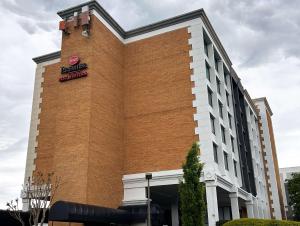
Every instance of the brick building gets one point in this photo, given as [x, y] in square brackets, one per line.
[112, 105]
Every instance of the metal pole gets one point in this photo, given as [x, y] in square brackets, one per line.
[148, 207]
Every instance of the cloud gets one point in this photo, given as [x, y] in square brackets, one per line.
[12, 170]
[266, 30]
[29, 27]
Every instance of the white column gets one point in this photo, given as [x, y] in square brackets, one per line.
[134, 196]
[261, 214]
[25, 203]
[174, 212]
[255, 208]
[212, 203]
[249, 206]
[235, 210]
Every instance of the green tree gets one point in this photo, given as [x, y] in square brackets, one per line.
[293, 186]
[191, 190]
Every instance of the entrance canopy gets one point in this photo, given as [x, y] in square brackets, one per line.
[81, 213]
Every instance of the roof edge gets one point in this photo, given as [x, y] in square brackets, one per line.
[165, 23]
[236, 78]
[264, 99]
[47, 57]
[200, 13]
[250, 100]
[215, 37]
[93, 5]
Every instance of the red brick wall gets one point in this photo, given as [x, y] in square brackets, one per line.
[159, 125]
[105, 161]
[132, 114]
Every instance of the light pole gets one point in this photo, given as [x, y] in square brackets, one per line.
[148, 178]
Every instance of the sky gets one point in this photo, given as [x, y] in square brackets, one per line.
[261, 37]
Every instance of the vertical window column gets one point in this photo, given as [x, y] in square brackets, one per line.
[210, 96]
[207, 70]
[223, 134]
[218, 85]
[220, 109]
[212, 123]
[226, 160]
[235, 168]
[215, 149]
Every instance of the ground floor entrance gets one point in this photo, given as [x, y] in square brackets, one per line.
[224, 200]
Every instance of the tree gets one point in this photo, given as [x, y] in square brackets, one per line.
[14, 211]
[293, 186]
[40, 191]
[191, 190]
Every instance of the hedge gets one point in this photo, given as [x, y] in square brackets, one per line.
[261, 222]
[221, 222]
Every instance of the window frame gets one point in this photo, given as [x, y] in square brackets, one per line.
[225, 79]
[235, 168]
[218, 83]
[230, 120]
[210, 97]
[216, 64]
[221, 106]
[206, 47]
[223, 134]
[212, 123]
[215, 152]
[207, 71]
[232, 144]
[227, 99]
[226, 162]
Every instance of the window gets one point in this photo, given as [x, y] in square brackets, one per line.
[215, 147]
[251, 113]
[235, 168]
[207, 71]
[212, 123]
[229, 120]
[227, 98]
[225, 79]
[220, 109]
[218, 85]
[232, 143]
[216, 64]
[223, 134]
[210, 97]
[206, 47]
[226, 161]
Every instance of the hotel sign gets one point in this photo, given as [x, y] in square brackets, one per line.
[74, 71]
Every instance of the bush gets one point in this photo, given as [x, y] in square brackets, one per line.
[261, 222]
[221, 222]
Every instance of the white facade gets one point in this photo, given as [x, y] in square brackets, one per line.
[258, 165]
[218, 174]
[35, 121]
[272, 182]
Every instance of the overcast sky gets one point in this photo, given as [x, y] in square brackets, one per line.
[261, 37]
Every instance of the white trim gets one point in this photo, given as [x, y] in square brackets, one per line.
[159, 178]
[163, 30]
[35, 121]
[148, 34]
[134, 185]
[272, 181]
[94, 12]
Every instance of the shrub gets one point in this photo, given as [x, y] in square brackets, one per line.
[191, 191]
[221, 222]
[261, 222]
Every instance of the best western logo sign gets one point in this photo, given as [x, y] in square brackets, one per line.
[74, 71]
